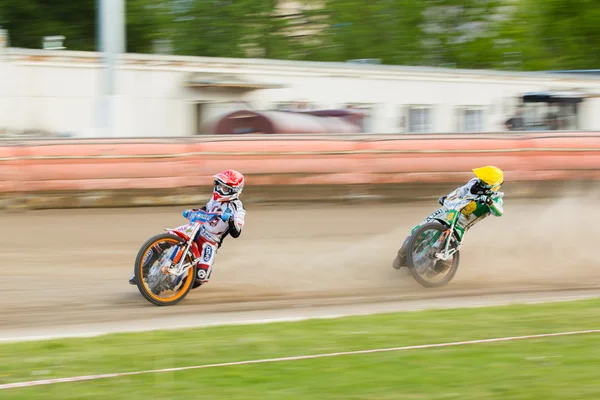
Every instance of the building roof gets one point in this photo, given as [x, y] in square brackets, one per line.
[334, 68]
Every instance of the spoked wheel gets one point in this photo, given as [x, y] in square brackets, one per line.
[157, 287]
[420, 256]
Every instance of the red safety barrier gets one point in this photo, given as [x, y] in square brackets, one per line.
[113, 164]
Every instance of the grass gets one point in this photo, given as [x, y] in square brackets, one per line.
[551, 368]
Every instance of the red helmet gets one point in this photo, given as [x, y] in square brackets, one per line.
[228, 185]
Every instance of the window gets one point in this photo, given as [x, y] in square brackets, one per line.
[419, 119]
[550, 116]
[471, 119]
[548, 111]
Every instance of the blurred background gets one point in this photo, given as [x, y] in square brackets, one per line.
[177, 68]
[348, 118]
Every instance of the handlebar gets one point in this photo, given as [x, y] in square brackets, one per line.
[197, 215]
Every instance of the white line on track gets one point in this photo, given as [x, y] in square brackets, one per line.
[292, 358]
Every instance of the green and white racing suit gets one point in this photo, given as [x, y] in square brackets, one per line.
[474, 205]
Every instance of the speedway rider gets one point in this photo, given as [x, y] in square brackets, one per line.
[483, 190]
[228, 186]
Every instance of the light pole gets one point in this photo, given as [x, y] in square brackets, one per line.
[111, 43]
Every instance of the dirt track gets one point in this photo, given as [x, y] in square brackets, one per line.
[70, 267]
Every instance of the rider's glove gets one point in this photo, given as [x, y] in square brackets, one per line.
[487, 200]
[227, 215]
[441, 200]
[189, 213]
[482, 199]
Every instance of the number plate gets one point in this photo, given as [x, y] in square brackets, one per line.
[185, 229]
[469, 208]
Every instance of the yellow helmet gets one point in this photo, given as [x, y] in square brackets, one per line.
[490, 175]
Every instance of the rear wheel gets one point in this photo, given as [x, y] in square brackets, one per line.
[429, 271]
[157, 287]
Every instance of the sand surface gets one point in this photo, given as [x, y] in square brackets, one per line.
[69, 268]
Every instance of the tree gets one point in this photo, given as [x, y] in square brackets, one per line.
[28, 21]
[383, 29]
[555, 34]
[147, 21]
[461, 32]
[227, 28]
[516, 34]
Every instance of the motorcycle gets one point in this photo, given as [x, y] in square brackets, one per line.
[433, 249]
[166, 265]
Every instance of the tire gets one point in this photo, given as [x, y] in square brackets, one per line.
[138, 268]
[410, 263]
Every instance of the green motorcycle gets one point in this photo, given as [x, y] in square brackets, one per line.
[433, 248]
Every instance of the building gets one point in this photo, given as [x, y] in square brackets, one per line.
[58, 92]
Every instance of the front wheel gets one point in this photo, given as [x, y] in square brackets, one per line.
[157, 287]
[420, 256]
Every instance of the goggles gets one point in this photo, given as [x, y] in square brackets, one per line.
[223, 189]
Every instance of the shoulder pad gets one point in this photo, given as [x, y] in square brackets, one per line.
[237, 204]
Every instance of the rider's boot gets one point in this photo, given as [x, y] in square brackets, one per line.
[132, 280]
[150, 261]
[400, 259]
[202, 275]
